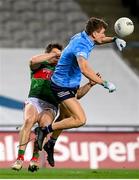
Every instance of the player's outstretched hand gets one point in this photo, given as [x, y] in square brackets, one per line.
[110, 86]
[120, 43]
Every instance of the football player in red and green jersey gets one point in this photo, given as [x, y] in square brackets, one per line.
[40, 104]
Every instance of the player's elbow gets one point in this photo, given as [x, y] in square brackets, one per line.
[32, 61]
[78, 94]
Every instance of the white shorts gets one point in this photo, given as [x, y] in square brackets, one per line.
[41, 105]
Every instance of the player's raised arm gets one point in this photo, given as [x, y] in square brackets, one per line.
[120, 43]
[37, 60]
[51, 55]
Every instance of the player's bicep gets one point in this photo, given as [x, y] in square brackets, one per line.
[83, 63]
[81, 50]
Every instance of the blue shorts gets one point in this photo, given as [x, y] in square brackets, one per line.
[63, 93]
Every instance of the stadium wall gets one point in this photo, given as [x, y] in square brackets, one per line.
[80, 150]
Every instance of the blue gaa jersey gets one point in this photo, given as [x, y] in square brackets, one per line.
[67, 72]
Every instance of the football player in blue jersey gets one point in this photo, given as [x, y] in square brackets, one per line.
[67, 76]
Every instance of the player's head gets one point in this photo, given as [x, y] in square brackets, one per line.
[95, 28]
[54, 48]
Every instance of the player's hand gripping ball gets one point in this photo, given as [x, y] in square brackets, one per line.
[123, 27]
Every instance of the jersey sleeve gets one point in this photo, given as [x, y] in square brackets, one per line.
[81, 50]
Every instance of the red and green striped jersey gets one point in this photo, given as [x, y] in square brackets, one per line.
[40, 83]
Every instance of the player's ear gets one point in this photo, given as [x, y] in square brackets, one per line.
[94, 34]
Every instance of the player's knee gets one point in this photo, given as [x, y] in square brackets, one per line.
[42, 124]
[81, 121]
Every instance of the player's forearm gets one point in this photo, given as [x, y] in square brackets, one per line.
[91, 75]
[41, 58]
[83, 90]
[107, 40]
[88, 72]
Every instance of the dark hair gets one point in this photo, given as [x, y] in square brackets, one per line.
[94, 24]
[51, 46]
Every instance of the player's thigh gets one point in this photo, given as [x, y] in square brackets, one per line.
[74, 107]
[30, 114]
[64, 112]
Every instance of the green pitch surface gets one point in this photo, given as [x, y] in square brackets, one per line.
[69, 174]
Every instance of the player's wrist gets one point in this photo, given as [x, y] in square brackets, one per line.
[104, 83]
[114, 39]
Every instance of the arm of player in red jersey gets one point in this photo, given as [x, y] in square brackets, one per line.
[37, 60]
[83, 90]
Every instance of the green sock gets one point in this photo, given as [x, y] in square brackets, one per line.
[36, 154]
[21, 152]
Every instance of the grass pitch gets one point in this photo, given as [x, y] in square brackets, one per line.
[69, 174]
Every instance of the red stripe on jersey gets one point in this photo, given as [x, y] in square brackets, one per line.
[43, 74]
